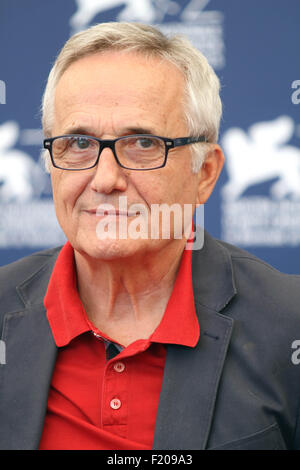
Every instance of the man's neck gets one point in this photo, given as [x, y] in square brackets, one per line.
[126, 298]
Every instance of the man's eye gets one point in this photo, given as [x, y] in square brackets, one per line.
[80, 143]
[145, 143]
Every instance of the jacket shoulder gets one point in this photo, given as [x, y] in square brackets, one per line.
[230, 279]
[252, 263]
[266, 291]
[14, 274]
[16, 271]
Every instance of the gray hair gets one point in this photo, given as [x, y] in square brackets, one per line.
[203, 108]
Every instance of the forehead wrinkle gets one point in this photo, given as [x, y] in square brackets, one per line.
[97, 122]
[96, 125]
[111, 99]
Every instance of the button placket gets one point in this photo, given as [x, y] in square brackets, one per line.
[115, 397]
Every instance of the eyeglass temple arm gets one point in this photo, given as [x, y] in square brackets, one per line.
[188, 140]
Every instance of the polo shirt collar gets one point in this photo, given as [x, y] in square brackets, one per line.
[179, 324]
[65, 311]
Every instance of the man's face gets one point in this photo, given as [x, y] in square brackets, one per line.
[110, 95]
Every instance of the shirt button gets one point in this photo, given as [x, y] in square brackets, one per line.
[119, 366]
[115, 403]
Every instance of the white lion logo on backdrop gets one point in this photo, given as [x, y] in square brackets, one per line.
[147, 11]
[141, 10]
[262, 155]
[20, 177]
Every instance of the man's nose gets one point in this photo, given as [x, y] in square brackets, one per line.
[108, 176]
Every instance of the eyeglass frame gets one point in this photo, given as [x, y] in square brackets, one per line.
[110, 143]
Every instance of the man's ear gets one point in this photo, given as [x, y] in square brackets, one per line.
[210, 172]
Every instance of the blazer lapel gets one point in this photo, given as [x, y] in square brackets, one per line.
[192, 375]
[26, 376]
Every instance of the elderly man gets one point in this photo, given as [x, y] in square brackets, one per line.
[122, 339]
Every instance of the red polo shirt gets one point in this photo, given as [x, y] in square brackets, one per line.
[100, 403]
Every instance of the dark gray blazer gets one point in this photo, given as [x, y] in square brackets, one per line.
[237, 389]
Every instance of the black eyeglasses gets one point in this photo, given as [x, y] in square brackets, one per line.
[133, 152]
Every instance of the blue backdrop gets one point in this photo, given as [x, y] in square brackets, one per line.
[254, 48]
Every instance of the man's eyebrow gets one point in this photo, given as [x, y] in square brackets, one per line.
[79, 130]
[139, 130]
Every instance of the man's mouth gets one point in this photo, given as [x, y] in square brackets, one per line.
[111, 212]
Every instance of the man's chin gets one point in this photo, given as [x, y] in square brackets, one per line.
[113, 249]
